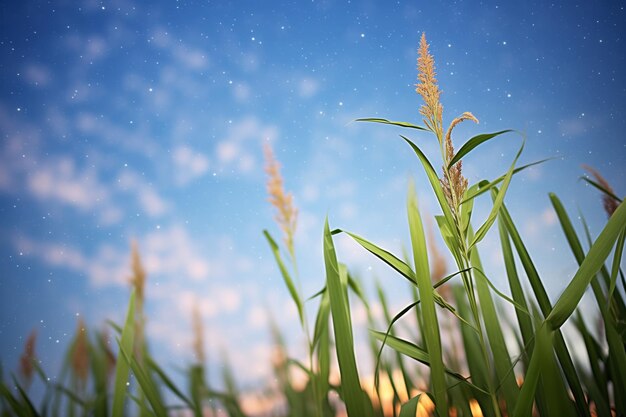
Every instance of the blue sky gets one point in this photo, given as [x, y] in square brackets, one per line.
[124, 120]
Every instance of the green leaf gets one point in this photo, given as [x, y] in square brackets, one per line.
[601, 188]
[167, 381]
[545, 306]
[385, 256]
[409, 408]
[503, 366]
[543, 343]
[286, 276]
[122, 367]
[472, 143]
[484, 186]
[145, 382]
[344, 344]
[389, 122]
[424, 285]
[594, 260]
[413, 351]
[497, 202]
[617, 257]
[435, 184]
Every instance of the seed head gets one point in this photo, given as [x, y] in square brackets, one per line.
[454, 184]
[286, 214]
[198, 333]
[609, 203]
[138, 278]
[80, 355]
[432, 109]
[28, 358]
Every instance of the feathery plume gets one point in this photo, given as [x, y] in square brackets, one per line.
[432, 109]
[80, 355]
[138, 282]
[454, 183]
[286, 214]
[109, 355]
[28, 358]
[609, 203]
[198, 333]
[138, 277]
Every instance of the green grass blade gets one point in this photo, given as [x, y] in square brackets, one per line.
[524, 321]
[473, 143]
[409, 408]
[415, 352]
[541, 352]
[145, 383]
[435, 184]
[601, 188]
[497, 202]
[390, 122]
[122, 367]
[501, 358]
[594, 353]
[545, 306]
[153, 366]
[14, 403]
[385, 256]
[432, 338]
[286, 276]
[592, 263]
[484, 186]
[617, 257]
[344, 344]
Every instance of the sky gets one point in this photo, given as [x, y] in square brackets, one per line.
[127, 121]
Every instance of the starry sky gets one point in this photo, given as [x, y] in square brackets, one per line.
[127, 120]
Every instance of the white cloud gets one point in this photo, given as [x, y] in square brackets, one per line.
[147, 197]
[37, 74]
[106, 267]
[190, 57]
[308, 87]
[238, 151]
[189, 164]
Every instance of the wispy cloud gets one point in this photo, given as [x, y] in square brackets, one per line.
[189, 164]
[238, 152]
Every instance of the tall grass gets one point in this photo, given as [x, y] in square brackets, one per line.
[458, 360]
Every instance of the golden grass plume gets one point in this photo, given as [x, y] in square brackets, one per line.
[609, 203]
[80, 355]
[286, 213]
[27, 360]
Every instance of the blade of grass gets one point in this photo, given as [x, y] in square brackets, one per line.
[389, 122]
[409, 408]
[435, 184]
[592, 263]
[563, 355]
[286, 276]
[497, 202]
[146, 384]
[344, 344]
[617, 257]
[413, 351]
[601, 188]
[499, 350]
[594, 354]
[484, 186]
[122, 367]
[473, 143]
[432, 337]
[385, 256]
